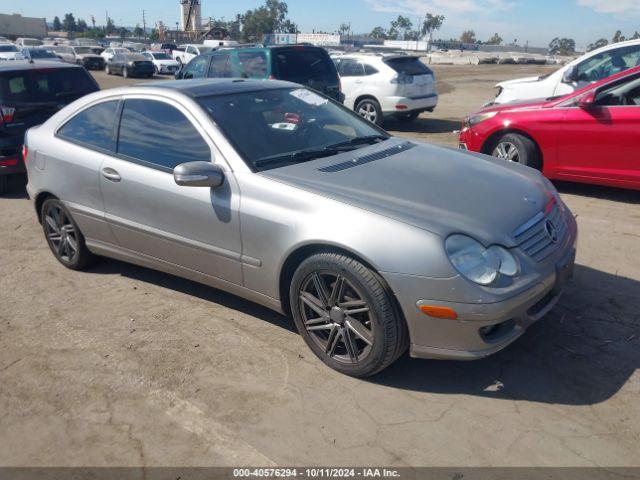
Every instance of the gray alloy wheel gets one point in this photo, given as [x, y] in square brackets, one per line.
[107, 70]
[517, 148]
[125, 72]
[507, 151]
[369, 109]
[63, 235]
[345, 315]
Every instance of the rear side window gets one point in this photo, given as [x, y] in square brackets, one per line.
[220, 66]
[253, 64]
[302, 63]
[350, 68]
[197, 68]
[408, 66]
[93, 127]
[61, 86]
[159, 135]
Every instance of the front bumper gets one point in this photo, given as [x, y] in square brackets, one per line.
[416, 104]
[485, 326]
[168, 69]
[93, 64]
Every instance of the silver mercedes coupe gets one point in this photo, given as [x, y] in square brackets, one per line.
[271, 191]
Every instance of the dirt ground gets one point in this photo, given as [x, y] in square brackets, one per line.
[125, 366]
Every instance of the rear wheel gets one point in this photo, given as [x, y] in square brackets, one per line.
[4, 184]
[346, 315]
[63, 235]
[369, 109]
[517, 148]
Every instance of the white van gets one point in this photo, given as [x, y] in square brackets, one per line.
[220, 43]
[29, 42]
[589, 68]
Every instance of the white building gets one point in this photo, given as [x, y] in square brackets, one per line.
[193, 22]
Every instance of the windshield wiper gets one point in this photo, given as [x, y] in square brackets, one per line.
[366, 140]
[300, 155]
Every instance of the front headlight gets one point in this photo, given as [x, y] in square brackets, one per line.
[480, 117]
[477, 263]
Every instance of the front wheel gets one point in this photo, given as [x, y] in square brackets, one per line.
[346, 315]
[125, 72]
[63, 235]
[517, 148]
[370, 109]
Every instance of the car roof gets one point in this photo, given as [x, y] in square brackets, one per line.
[18, 65]
[218, 86]
[239, 48]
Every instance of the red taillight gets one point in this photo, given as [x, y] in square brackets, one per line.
[9, 162]
[401, 106]
[271, 77]
[6, 114]
[25, 152]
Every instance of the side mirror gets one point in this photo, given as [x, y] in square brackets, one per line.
[198, 174]
[569, 76]
[587, 101]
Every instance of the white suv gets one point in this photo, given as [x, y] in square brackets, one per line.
[378, 86]
[589, 68]
[185, 53]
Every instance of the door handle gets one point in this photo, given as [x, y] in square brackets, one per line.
[111, 175]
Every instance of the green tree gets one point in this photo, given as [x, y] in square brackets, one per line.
[562, 46]
[123, 32]
[636, 35]
[495, 40]
[69, 23]
[431, 24]
[269, 18]
[603, 42]
[399, 27]
[154, 35]
[618, 37]
[138, 31]
[468, 36]
[57, 24]
[379, 33]
[110, 27]
[81, 26]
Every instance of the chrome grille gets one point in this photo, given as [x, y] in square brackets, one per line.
[338, 167]
[536, 237]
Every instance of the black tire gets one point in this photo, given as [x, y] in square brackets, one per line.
[70, 250]
[408, 117]
[363, 302]
[370, 109]
[526, 150]
[4, 184]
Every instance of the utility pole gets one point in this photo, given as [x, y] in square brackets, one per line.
[144, 24]
[93, 22]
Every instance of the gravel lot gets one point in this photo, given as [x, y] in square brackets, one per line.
[126, 366]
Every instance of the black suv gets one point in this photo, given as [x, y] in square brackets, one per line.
[30, 93]
[304, 64]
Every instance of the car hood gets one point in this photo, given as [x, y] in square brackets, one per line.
[518, 80]
[442, 190]
[527, 104]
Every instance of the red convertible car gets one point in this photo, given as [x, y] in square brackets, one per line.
[591, 135]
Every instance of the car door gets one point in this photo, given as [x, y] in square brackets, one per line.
[220, 66]
[600, 140]
[86, 139]
[352, 74]
[192, 227]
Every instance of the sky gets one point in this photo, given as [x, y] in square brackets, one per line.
[535, 21]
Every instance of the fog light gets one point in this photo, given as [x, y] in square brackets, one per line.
[439, 312]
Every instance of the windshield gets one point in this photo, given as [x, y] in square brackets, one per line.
[204, 49]
[8, 48]
[31, 42]
[39, 53]
[274, 128]
[44, 85]
[83, 50]
[161, 56]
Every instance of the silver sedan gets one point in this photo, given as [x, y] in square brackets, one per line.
[373, 244]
